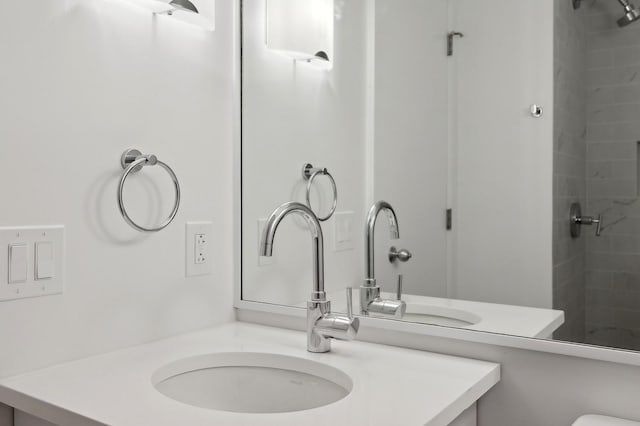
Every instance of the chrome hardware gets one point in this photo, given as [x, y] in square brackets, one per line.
[309, 173]
[322, 325]
[402, 255]
[183, 5]
[349, 302]
[450, 37]
[536, 111]
[399, 288]
[370, 300]
[132, 161]
[577, 220]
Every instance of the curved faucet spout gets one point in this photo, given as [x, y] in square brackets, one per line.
[269, 232]
[322, 325]
[370, 225]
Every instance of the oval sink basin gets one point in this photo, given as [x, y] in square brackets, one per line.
[252, 382]
[440, 315]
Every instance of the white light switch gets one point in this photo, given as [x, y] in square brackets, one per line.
[45, 261]
[18, 254]
[35, 265]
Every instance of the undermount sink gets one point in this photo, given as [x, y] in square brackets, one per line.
[440, 315]
[243, 382]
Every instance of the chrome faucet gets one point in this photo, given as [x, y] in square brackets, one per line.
[370, 300]
[322, 325]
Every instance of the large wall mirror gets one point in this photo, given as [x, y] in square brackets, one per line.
[482, 124]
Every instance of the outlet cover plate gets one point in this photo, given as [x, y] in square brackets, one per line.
[193, 231]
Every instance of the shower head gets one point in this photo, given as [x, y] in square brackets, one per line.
[184, 5]
[631, 14]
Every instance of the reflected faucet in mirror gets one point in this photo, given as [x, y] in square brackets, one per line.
[322, 325]
[370, 300]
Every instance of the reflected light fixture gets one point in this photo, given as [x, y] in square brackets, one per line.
[301, 30]
[196, 12]
[184, 5]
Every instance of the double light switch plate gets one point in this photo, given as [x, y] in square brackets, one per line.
[31, 261]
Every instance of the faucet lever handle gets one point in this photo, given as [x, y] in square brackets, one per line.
[399, 287]
[599, 225]
[350, 302]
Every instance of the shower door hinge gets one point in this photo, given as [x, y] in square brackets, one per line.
[449, 219]
[450, 37]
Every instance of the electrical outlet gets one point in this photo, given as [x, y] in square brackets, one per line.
[201, 249]
[199, 260]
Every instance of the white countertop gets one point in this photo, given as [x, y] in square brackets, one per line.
[592, 420]
[494, 317]
[392, 386]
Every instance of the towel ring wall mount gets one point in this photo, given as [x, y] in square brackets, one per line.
[309, 173]
[133, 161]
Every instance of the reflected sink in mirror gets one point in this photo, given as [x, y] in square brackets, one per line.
[481, 316]
[437, 315]
[252, 382]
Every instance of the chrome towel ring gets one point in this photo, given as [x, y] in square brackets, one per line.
[309, 173]
[132, 161]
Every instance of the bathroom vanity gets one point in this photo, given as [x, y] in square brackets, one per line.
[380, 385]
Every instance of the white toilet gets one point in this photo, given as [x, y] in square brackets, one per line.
[592, 420]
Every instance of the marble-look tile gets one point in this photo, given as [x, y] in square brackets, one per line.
[625, 243]
[570, 153]
[612, 187]
[600, 59]
[611, 151]
[626, 281]
[598, 279]
[614, 113]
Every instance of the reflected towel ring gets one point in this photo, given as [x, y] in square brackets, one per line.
[309, 173]
[133, 161]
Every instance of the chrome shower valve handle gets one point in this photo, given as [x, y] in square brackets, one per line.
[576, 221]
[588, 220]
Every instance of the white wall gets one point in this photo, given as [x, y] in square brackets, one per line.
[81, 80]
[294, 113]
[503, 193]
[411, 141]
[494, 168]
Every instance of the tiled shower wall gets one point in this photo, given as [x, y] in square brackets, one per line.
[569, 156]
[613, 116]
